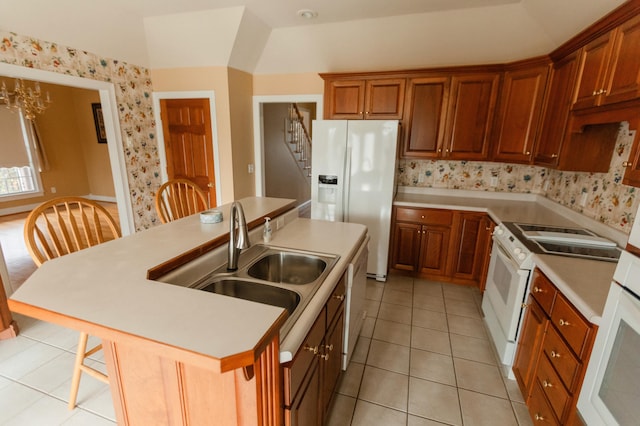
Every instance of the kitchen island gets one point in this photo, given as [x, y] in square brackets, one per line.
[177, 355]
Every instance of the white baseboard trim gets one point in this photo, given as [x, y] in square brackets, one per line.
[29, 207]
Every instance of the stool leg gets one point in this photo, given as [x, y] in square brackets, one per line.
[77, 372]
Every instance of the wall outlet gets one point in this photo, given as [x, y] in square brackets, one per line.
[546, 185]
[421, 178]
[250, 168]
[279, 222]
[583, 199]
[494, 181]
[53, 190]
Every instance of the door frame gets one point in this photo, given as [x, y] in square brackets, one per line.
[111, 124]
[258, 128]
[198, 94]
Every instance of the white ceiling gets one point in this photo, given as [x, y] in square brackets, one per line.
[268, 37]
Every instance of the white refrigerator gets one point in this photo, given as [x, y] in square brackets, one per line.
[353, 168]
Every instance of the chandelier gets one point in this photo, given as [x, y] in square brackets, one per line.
[28, 100]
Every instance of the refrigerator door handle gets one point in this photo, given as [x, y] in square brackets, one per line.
[346, 188]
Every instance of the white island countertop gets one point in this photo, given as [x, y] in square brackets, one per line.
[584, 282]
[107, 288]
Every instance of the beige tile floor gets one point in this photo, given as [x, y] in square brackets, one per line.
[424, 358]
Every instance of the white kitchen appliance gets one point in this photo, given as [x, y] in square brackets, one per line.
[353, 179]
[355, 309]
[510, 268]
[610, 392]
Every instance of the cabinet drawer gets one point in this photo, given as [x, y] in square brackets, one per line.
[543, 291]
[539, 409]
[295, 371]
[571, 325]
[552, 386]
[336, 300]
[563, 360]
[426, 216]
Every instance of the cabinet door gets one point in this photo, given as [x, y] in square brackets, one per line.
[623, 78]
[384, 99]
[519, 114]
[344, 99]
[405, 246]
[556, 115]
[470, 115]
[529, 347]
[433, 251]
[485, 247]
[331, 361]
[632, 171]
[468, 256]
[305, 410]
[424, 116]
[594, 59]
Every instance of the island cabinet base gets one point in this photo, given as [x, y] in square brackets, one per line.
[8, 327]
[148, 388]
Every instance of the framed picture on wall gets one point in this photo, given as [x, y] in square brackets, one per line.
[99, 122]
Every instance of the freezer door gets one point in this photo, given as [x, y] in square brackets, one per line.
[371, 159]
[328, 151]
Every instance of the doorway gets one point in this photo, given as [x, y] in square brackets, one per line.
[269, 113]
[200, 162]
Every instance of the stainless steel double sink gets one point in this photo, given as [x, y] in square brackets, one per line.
[274, 276]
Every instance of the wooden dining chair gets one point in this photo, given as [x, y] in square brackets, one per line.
[62, 226]
[178, 198]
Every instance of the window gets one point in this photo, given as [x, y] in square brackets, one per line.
[18, 165]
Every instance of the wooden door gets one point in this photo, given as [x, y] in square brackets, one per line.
[556, 115]
[519, 114]
[424, 116]
[405, 246]
[593, 62]
[529, 347]
[345, 100]
[434, 250]
[384, 99]
[623, 78]
[470, 116]
[186, 124]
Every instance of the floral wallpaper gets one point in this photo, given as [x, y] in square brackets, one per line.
[135, 109]
[599, 196]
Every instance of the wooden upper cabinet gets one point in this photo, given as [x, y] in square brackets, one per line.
[379, 99]
[424, 116]
[384, 99]
[519, 113]
[470, 115]
[556, 112]
[610, 67]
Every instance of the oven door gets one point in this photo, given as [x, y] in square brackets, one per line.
[611, 394]
[505, 290]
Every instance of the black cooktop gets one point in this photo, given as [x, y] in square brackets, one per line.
[608, 254]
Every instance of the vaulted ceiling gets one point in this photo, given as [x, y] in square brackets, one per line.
[269, 37]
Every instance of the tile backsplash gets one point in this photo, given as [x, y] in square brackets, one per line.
[600, 196]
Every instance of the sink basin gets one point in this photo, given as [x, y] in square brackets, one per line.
[288, 268]
[254, 292]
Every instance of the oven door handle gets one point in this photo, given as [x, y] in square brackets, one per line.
[502, 253]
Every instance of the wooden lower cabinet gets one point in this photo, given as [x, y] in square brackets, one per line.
[439, 244]
[553, 350]
[311, 378]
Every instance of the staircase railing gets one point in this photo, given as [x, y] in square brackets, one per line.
[298, 140]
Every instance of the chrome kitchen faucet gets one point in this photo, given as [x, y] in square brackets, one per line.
[239, 241]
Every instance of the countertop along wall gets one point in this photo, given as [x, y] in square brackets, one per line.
[605, 198]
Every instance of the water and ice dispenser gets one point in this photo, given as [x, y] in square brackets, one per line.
[327, 197]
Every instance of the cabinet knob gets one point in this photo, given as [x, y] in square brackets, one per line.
[313, 349]
[324, 356]
[555, 354]
[527, 153]
[626, 164]
[537, 290]
[524, 305]
[595, 92]
[554, 155]
[339, 297]
[538, 417]
[546, 384]
[563, 322]
[446, 150]
[329, 347]
[439, 149]
[422, 216]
